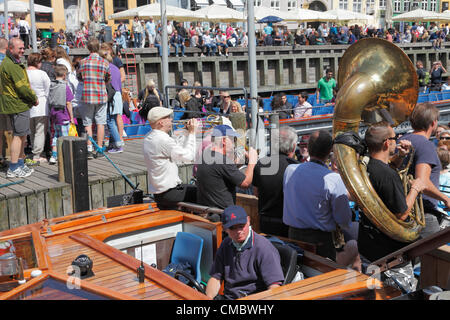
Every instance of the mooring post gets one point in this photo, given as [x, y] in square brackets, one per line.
[274, 124]
[73, 169]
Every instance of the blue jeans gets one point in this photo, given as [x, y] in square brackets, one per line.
[178, 45]
[124, 41]
[209, 47]
[137, 39]
[158, 46]
[114, 137]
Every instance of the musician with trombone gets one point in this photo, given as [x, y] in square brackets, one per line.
[162, 154]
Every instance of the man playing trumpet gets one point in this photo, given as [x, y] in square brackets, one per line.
[162, 153]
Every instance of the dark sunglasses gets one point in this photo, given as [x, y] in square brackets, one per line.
[445, 138]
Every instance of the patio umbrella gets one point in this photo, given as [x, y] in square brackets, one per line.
[24, 7]
[173, 13]
[305, 15]
[218, 13]
[127, 14]
[270, 19]
[261, 12]
[346, 15]
[417, 15]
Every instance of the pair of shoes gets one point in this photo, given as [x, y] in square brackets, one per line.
[18, 173]
[31, 162]
[115, 150]
[184, 56]
[226, 54]
[99, 155]
[27, 169]
[52, 160]
[90, 155]
[220, 53]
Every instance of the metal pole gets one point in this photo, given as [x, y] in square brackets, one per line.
[33, 26]
[252, 69]
[164, 49]
[6, 20]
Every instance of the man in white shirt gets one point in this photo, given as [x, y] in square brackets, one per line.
[24, 30]
[303, 108]
[221, 42]
[162, 154]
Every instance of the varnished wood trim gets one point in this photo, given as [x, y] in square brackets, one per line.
[153, 274]
[331, 291]
[17, 236]
[24, 287]
[98, 217]
[93, 288]
[40, 249]
[97, 223]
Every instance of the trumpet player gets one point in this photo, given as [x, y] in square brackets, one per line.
[162, 153]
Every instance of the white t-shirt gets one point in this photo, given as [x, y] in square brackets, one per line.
[161, 155]
[40, 83]
[24, 23]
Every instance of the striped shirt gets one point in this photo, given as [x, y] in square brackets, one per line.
[94, 71]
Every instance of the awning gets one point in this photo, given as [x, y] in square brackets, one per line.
[236, 3]
[220, 2]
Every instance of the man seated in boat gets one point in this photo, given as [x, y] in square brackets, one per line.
[268, 182]
[217, 174]
[246, 262]
[315, 198]
[162, 153]
[380, 138]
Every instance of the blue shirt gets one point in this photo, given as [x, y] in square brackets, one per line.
[150, 26]
[314, 198]
[425, 152]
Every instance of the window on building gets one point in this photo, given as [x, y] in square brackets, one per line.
[382, 4]
[424, 5]
[370, 5]
[397, 6]
[406, 6]
[142, 2]
[356, 5]
[257, 3]
[118, 6]
[292, 4]
[44, 17]
[343, 4]
[275, 4]
[433, 5]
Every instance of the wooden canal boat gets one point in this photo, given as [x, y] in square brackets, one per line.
[111, 238]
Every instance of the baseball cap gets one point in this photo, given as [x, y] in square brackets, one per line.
[233, 215]
[224, 130]
[157, 113]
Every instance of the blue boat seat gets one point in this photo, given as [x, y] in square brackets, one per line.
[422, 98]
[131, 130]
[188, 247]
[178, 113]
[266, 104]
[143, 129]
[445, 95]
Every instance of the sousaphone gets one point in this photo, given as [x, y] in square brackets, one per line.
[377, 82]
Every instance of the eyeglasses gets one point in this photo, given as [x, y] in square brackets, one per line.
[445, 138]
[391, 138]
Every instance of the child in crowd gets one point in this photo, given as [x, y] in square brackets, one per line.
[60, 105]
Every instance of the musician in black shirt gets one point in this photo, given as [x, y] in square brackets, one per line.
[381, 141]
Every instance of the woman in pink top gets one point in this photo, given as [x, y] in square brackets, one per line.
[388, 36]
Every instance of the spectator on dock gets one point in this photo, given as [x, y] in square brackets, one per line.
[94, 72]
[16, 100]
[422, 75]
[40, 83]
[177, 42]
[436, 76]
[5, 125]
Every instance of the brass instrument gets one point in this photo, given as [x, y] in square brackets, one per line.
[375, 76]
[211, 120]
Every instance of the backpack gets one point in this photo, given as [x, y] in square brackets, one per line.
[22, 30]
[426, 79]
[110, 91]
[172, 268]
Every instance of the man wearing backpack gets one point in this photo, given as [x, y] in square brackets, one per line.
[423, 76]
[24, 31]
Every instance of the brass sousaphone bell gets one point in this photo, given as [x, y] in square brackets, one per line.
[377, 82]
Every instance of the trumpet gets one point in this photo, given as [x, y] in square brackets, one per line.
[211, 120]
